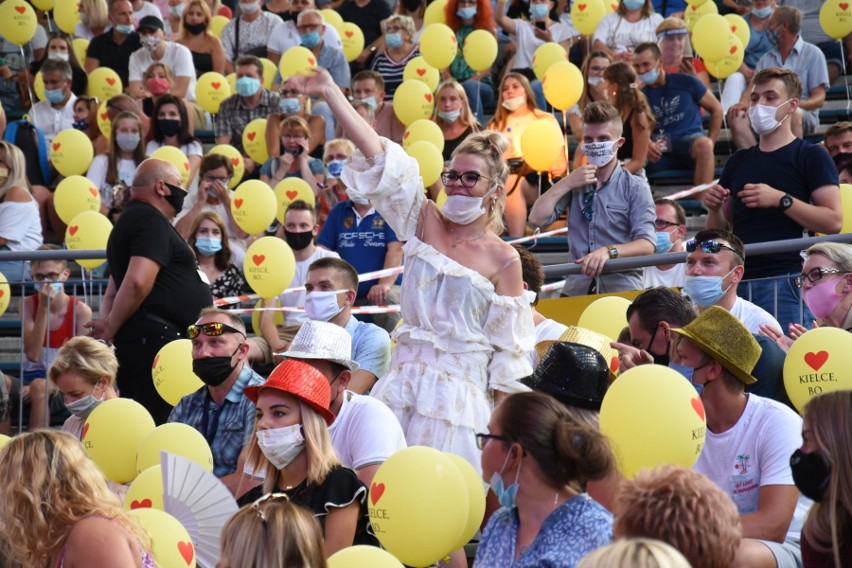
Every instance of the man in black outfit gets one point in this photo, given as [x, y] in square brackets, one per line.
[113, 48]
[155, 290]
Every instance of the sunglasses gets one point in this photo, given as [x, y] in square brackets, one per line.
[710, 247]
[588, 210]
[482, 439]
[212, 329]
[816, 275]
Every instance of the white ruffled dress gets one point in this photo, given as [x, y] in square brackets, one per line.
[458, 340]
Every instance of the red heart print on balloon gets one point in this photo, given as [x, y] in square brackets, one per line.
[694, 7]
[312, 61]
[85, 430]
[56, 146]
[291, 195]
[456, 41]
[376, 492]
[186, 551]
[143, 504]
[216, 85]
[20, 9]
[238, 203]
[844, 6]
[406, 135]
[235, 161]
[734, 29]
[186, 166]
[104, 116]
[258, 259]
[2, 293]
[613, 364]
[698, 407]
[733, 49]
[349, 33]
[93, 191]
[251, 136]
[421, 72]
[581, 7]
[110, 81]
[73, 230]
[816, 360]
[156, 360]
[428, 97]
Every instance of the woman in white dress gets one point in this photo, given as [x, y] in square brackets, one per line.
[466, 326]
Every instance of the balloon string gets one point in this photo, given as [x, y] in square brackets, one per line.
[720, 84]
[49, 23]
[845, 76]
[27, 75]
[565, 133]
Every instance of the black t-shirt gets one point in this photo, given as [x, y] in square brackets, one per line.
[112, 55]
[451, 145]
[178, 294]
[798, 168]
[340, 488]
[368, 18]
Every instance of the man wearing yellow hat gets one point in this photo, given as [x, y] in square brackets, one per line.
[749, 439]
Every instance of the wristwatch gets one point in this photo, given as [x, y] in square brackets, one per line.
[785, 203]
[613, 252]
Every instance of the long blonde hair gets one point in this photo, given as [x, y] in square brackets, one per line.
[829, 419]
[14, 158]
[466, 117]
[49, 484]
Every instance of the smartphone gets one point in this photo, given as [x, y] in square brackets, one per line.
[541, 25]
[295, 151]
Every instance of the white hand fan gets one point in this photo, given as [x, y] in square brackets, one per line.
[201, 503]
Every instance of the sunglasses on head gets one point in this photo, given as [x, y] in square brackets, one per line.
[212, 329]
[710, 247]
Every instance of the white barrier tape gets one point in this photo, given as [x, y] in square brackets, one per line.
[692, 190]
[552, 287]
[538, 236]
[366, 310]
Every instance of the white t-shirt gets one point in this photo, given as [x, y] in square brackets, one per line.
[177, 57]
[191, 149]
[618, 34]
[97, 175]
[52, 121]
[297, 299]
[546, 330]
[527, 42]
[671, 278]
[20, 225]
[285, 36]
[365, 432]
[147, 9]
[754, 453]
[752, 316]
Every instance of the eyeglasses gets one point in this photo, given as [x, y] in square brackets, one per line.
[289, 93]
[710, 247]
[815, 275]
[394, 29]
[482, 439]
[267, 498]
[50, 276]
[662, 224]
[212, 329]
[588, 199]
[468, 179]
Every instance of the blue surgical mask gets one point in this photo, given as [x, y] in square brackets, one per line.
[247, 86]
[55, 96]
[127, 141]
[705, 291]
[539, 11]
[664, 243]
[507, 496]
[394, 40]
[466, 13]
[762, 13]
[290, 105]
[633, 4]
[83, 407]
[57, 287]
[335, 168]
[310, 40]
[370, 101]
[125, 29]
[449, 115]
[650, 77]
[208, 246]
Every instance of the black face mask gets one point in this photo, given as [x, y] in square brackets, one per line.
[168, 126]
[214, 370]
[176, 198]
[810, 474]
[195, 29]
[412, 5]
[658, 359]
[299, 241]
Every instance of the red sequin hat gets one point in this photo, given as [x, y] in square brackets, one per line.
[301, 380]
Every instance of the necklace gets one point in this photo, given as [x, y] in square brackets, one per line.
[457, 241]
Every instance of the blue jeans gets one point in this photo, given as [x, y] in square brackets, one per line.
[479, 95]
[780, 297]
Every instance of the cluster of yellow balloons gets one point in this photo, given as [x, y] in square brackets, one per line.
[720, 40]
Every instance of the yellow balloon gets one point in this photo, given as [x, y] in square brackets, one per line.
[74, 195]
[4, 439]
[418, 69]
[71, 152]
[438, 45]
[696, 2]
[175, 438]
[104, 123]
[236, 161]
[88, 230]
[5, 294]
[277, 318]
[297, 61]
[442, 198]
[708, 37]
[818, 362]
[436, 13]
[418, 521]
[112, 435]
[353, 40]
[38, 86]
[269, 266]
[232, 81]
[413, 100]
[172, 371]
[726, 66]
[146, 491]
[81, 49]
[171, 544]
[332, 17]
[694, 13]
[430, 160]
[546, 55]
[104, 83]
[44, 5]
[289, 190]
[611, 6]
[217, 24]
[542, 145]
[254, 140]
[269, 72]
[211, 89]
[607, 316]
[652, 417]
[739, 27]
[175, 157]
[19, 21]
[363, 556]
[423, 130]
[586, 15]
[253, 206]
[66, 15]
[846, 207]
[480, 50]
[563, 85]
[476, 498]
[835, 17]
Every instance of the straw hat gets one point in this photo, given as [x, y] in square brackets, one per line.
[586, 337]
[721, 335]
[322, 340]
[574, 374]
[301, 380]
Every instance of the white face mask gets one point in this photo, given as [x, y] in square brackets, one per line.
[281, 445]
[515, 103]
[762, 118]
[322, 306]
[249, 7]
[58, 55]
[465, 209]
[594, 81]
[600, 154]
[83, 407]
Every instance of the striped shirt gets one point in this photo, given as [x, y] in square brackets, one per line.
[391, 71]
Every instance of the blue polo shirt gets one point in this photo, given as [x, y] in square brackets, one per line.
[363, 245]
